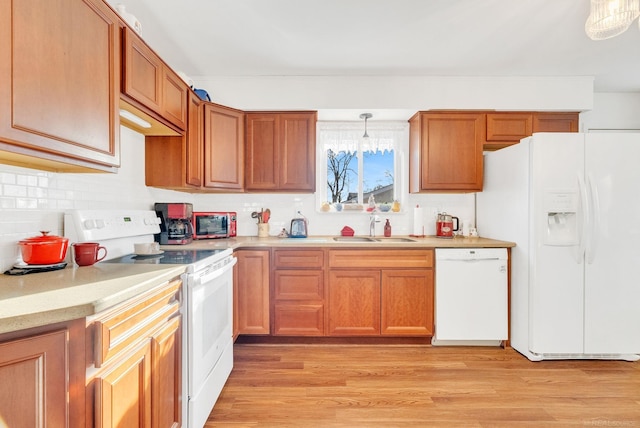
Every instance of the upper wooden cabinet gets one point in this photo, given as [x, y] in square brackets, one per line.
[223, 148]
[507, 128]
[194, 150]
[555, 122]
[176, 162]
[445, 151]
[59, 85]
[280, 151]
[150, 82]
[210, 157]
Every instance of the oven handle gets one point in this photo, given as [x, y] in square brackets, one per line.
[210, 276]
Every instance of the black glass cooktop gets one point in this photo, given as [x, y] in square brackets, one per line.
[173, 257]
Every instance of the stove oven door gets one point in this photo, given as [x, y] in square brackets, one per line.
[209, 331]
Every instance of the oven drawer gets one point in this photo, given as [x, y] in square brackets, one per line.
[116, 329]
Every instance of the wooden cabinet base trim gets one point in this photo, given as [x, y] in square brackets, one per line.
[309, 340]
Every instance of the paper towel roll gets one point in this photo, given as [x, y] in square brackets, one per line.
[419, 220]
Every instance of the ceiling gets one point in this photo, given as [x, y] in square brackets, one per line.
[386, 38]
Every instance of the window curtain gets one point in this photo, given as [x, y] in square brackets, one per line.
[346, 136]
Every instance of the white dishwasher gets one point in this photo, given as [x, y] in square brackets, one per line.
[471, 298]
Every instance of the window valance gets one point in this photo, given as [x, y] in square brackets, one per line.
[347, 136]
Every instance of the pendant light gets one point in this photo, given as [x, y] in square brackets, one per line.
[365, 116]
[609, 18]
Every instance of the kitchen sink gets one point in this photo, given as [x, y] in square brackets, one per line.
[353, 239]
[368, 239]
[395, 240]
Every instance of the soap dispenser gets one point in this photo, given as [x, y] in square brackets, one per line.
[387, 229]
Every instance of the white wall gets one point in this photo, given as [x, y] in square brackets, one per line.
[407, 93]
[612, 111]
[32, 200]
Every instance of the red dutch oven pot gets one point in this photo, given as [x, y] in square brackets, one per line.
[44, 250]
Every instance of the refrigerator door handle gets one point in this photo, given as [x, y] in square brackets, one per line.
[584, 221]
[594, 223]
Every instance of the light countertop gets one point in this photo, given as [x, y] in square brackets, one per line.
[328, 241]
[76, 292]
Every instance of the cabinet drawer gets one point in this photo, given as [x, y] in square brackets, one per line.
[299, 320]
[299, 259]
[124, 325]
[380, 258]
[510, 127]
[298, 285]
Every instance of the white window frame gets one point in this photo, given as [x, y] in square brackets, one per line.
[400, 148]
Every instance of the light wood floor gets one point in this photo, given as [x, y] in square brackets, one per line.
[422, 386]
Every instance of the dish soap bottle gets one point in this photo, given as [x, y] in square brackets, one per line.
[387, 229]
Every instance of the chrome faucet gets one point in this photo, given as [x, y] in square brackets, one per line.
[372, 224]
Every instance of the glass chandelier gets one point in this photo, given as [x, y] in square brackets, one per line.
[608, 18]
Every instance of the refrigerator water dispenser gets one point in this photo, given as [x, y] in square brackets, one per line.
[562, 219]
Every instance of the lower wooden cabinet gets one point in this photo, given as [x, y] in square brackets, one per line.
[122, 393]
[381, 292]
[335, 292]
[298, 292]
[134, 372]
[253, 291]
[407, 302]
[354, 302]
[42, 376]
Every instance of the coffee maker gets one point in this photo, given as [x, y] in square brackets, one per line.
[175, 223]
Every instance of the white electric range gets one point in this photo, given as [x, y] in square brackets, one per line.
[207, 307]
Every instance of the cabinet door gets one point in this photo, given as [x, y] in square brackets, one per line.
[261, 164]
[223, 148]
[149, 81]
[555, 122]
[38, 367]
[123, 391]
[446, 152]
[59, 84]
[295, 319]
[166, 376]
[195, 141]
[297, 152]
[280, 151]
[407, 302]
[143, 74]
[504, 129]
[354, 302]
[174, 98]
[253, 291]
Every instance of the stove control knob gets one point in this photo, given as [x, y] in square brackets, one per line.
[89, 224]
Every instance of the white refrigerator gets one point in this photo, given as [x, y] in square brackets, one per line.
[571, 203]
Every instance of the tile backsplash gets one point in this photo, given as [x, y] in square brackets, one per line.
[32, 200]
